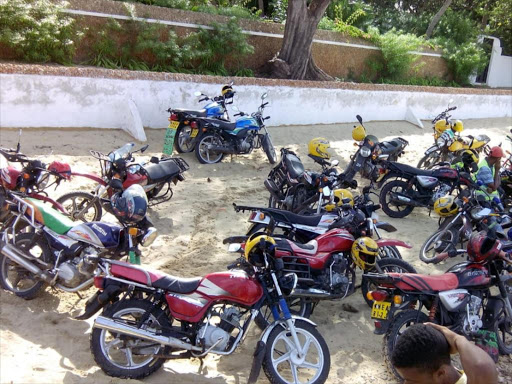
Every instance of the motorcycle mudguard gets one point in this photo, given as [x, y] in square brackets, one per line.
[97, 179]
[392, 242]
[259, 355]
[431, 149]
[235, 239]
[385, 226]
[100, 299]
[282, 323]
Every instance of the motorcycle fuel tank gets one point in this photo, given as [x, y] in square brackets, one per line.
[214, 110]
[99, 234]
[337, 240]
[471, 275]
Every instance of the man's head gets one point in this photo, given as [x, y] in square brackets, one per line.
[495, 155]
[422, 356]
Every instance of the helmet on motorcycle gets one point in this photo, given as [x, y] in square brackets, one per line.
[364, 252]
[372, 140]
[441, 126]
[458, 126]
[63, 169]
[318, 147]
[339, 196]
[469, 157]
[446, 206]
[227, 92]
[130, 205]
[359, 133]
[483, 247]
[255, 247]
[9, 177]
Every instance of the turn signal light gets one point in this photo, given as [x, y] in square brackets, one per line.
[98, 282]
[26, 176]
[397, 299]
[173, 117]
[376, 295]
[133, 231]
[193, 124]
[262, 216]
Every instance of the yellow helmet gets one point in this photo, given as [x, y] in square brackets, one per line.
[255, 245]
[364, 252]
[227, 91]
[339, 196]
[318, 148]
[359, 133]
[458, 126]
[441, 126]
[446, 206]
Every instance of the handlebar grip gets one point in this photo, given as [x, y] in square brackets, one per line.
[203, 99]
[268, 117]
[264, 104]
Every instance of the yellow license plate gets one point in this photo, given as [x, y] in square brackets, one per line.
[380, 310]
[194, 132]
[174, 124]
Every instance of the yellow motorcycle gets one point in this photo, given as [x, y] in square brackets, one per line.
[448, 142]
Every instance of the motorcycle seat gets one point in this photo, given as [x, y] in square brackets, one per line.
[191, 112]
[294, 166]
[162, 171]
[388, 147]
[224, 125]
[281, 214]
[411, 170]
[177, 284]
[417, 282]
[308, 248]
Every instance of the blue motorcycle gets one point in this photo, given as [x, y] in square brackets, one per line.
[241, 137]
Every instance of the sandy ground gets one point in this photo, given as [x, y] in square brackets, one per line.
[41, 343]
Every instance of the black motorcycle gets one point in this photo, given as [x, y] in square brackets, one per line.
[240, 137]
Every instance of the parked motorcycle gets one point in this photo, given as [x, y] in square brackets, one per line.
[184, 121]
[149, 317]
[371, 156]
[155, 176]
[448, 142]
[58, 250]
[469, 298]
[506, 178]
[241, 137]
[411, 187]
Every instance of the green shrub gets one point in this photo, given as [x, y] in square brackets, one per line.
[456, 26]
[37, 31]
[326, 23]
[464, 60]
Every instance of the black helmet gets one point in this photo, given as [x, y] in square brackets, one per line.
[130, 206]
[227, 92]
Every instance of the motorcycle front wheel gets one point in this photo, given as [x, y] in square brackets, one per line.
[503, 329]
[439, 242]
[428, 161]
[205, 155]
[184, 142]
[81, 206]
[391, 207]
[125, 356]
[269, 149]
[283, 364]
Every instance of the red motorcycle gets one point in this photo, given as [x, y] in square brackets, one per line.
[119, 165]
[326, 266]
[473, 298]
[150, 317]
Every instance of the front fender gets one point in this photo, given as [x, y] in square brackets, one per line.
[280, 322]
[97, 179]
[392, 242]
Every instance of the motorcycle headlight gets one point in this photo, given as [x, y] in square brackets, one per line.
[365, 151]
[108, 166]
[42, 180]
[480, 213]
[149, 237]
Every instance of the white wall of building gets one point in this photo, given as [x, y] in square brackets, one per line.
[59, 101]
[499, 74]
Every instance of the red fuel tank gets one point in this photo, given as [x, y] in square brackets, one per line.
[471, 275]
[335, 240]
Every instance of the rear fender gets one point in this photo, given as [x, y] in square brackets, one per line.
[392, 242]
[111, 291]
[385, 226]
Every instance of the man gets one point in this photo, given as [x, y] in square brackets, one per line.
[489, 174]
[422, 356]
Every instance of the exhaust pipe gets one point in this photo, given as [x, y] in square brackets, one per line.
[312, 292]
[222, 149]
[21, 258]
[107, 324]
[405, 200]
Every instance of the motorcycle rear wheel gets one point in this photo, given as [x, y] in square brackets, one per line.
[132, 365]
[183, 143]
[503, 329]
[203, 154]
[81, 206]
[269, 149]
[12, 274]
[401, 210]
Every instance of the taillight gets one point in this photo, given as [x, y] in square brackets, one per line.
[377, 295]
[253, 215]
[173, 117]
[378, 324]
[99, 282]
[193, 124]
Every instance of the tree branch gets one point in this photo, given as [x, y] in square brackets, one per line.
[317, 7]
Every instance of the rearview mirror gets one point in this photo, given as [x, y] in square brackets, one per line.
[360, 119]
[144, 148]
[231, 82]
[264, 96]
[197, 93]
[334, 163]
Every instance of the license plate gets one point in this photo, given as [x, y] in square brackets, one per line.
[174, 124]
[194, 132]
[380, 310]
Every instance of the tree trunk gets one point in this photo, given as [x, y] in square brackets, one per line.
[261, 6]
[436, 18]
[294, 61]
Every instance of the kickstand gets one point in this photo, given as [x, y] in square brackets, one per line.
[79, 295]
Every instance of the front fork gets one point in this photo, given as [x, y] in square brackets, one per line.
[132, 251]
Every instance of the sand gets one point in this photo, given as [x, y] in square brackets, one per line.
[41, 343]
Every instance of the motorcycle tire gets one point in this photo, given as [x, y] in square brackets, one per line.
[389, 251]
[28, 243]
[183, 143]
[93, 210]
[278, 369]
[385, 265]
[203, 154]
[439, 242]
[405, 318]
[385, 204]
[298, 306]
[136, 308]
[428, 161]
[503, 329]
[269, 149]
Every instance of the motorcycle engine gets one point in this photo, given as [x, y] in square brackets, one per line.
[338, 277]
[77, 269]
[472, 321]
[245, 144]
[443, 190]
[209, 334]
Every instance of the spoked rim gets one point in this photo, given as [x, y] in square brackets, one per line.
[286, 360]
[204, 152]
[439, 244]
[75, 206]
[134, 352]
[14, 274]
[397, 190]
[185, 140]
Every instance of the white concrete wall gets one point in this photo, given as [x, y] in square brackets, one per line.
[58, 101]
[500, 67]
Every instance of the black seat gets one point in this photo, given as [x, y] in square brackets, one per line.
[411, 170]
[388, 147]
[293, 165]
[177, 284]
[191, 112]
[162, 171]
[282, 215]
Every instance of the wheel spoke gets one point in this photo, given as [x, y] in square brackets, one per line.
[129, 357]
[305, 348]
[280, 359]
[307, 364]
[293, 368]
[111, 344]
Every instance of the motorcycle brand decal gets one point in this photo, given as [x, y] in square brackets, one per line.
[190, 300]
[82, 235]
[107, 237]
[210, 289]
[99, 229]
[457, 296]
[63, 239]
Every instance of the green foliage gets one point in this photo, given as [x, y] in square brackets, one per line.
[456, 26]
[464, 59]
[346, 26]
[326, 23]
[37, 31]
[500, 24]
